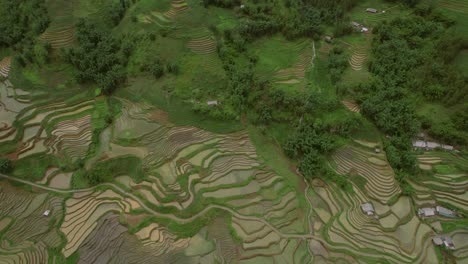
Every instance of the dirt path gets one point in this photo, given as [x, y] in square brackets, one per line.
[158, 214]
[315, 54]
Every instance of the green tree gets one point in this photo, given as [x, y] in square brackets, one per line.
[5, 165]
[156, 67]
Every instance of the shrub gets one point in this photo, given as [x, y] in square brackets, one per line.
[172, 68]
[5, 165]
[156, 68]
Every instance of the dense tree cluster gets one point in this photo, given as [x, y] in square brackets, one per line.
[21, 21]
[337, 64]
[309, 143]
[99, 57]
[115, 11]
[302, 19]
[413, 55]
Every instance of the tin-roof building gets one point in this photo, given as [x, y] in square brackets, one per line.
[426, 212]
[371, 10]
[368, 208]
[445, 212]
[444, 240]
[212, 103]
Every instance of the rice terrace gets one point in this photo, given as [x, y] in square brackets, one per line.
[233, 131]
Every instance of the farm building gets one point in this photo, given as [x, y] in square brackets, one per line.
[428, 145]
[447, 147]
[444, 240]
[371, 10]
[46, 213]
[426, 212]
[432, 145]
[437, 241]
[364, 30]
[445, 212]
[355, 24]
[368, 208]
[419, 144]
[212, 103]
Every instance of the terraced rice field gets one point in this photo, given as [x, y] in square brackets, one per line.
[448, 184]
[5, 64]
[43, 127]
[20, 241]
[174, 153]
[352, 106]
[296, 73]
[357, 159]
[189, 173]
[459, 6]
[359, 57]
[203, 44]
[177, 7]
[213, 186]
[395, 235]
[61, 31]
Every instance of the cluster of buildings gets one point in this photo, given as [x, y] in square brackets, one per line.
[360, 27]
[428, 145]
[439, 240]
[444, 240]
[422, 143]
[438, 210]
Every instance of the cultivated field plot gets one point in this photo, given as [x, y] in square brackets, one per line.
[61, 31]
[448, 183]
[385, 11]
[20, 241]
[34, 124]
[395, 235]
[189, 195]
[190, 178]
[286, 62]
[359, 159]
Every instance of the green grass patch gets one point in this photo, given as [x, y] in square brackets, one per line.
[270, 152]
[449, 226]
[392, 10]
[435, 112]
[180, 112]
[34, 167]
[366, 131]
[123, 165]
[277, 53]
[461, 61]
[446, 169]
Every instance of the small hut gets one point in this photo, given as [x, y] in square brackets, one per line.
[212, 103]
[368, 208]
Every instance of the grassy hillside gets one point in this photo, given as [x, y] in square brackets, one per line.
[226, 131]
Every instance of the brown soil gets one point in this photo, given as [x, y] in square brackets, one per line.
[318, 183]
[134, 220]
[160, 116]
